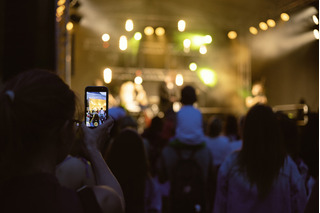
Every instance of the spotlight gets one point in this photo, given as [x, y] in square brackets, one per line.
[316, 33]
[263, 26]
[148, 31]
[315, 19]
[232, 35]
[271, 23]
[253, 30]
[160, 31]
[285, 17]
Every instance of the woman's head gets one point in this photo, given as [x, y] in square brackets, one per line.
[128, 162]
[263, 151]
[34, 108]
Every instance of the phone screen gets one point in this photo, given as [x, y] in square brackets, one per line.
[96, 105]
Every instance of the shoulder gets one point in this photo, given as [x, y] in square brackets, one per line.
[108, 199]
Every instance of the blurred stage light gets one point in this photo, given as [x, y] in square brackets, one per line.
[123, 43]
[263, 26]
[315, 19]
[203, 49]
[253, 30]
[316, 33]
[193, 66]
[271, 23]
[138, 80]
[179, 80]
[105, 37]
[129, 25]
[148, 31]
[137, 36]
[284, 17]
[232, 35]
[187, 43]
[208, 77]
[160, 31]
[208, 39]
[107, 74]
[69, 26]
[181, 25]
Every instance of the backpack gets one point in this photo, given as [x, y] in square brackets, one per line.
[187, 193]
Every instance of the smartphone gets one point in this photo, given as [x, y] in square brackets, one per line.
[96, 105]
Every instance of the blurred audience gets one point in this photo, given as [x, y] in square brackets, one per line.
[128, 162]
[188, 147]
[261, 177]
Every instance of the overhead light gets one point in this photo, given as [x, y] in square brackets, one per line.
[208, 39]
[160, 31]
[285, 17]
[123, 43]
[187, 43]
[253, 30]
[69, 26]
[181, 25]
[137, 36]
[271, 23]
[232, 35]
[193, 66]
[315, 19]
[203, 49]
[107, 74]
[148, 31]
[263, 26]
[129, 25]
[179, 80]
[138, 80]
[105, 37]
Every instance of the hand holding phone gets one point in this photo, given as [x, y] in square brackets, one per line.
[96, 105]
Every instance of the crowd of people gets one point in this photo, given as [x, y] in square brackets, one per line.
[259, 162]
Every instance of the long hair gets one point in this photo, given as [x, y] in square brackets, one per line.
[32, 105]
[263, 152]
[128, 162]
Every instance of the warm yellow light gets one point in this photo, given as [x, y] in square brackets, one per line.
[193, 66]
[208, 39]
[138, 80]
[203, 49]
[60, 9]
[61, 2]
[137, 36]
[285, 17]
[181, 25]
[263, 26]
[232, 35]
[160, 31]
[315, 19]
[179, 80]
[105, 37]
[107, 75]
[129, 25]
[69, 26]
[253, 30]
[123, 43]
[316, 33]
[271, 23]
[186, 43]
[148, 31]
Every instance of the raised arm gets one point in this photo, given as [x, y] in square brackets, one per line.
[103, 175]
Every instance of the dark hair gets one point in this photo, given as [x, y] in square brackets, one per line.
[188, 95]
[263, 152]
[231, 127]
[39, 105]
[128, 162]
[215, 127]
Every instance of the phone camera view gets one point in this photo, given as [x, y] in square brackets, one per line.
[96, 112]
